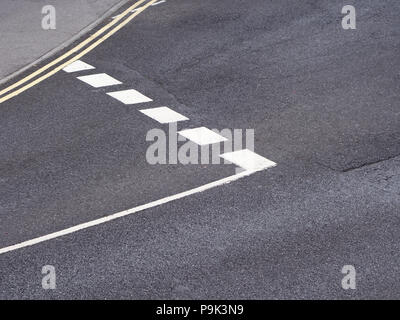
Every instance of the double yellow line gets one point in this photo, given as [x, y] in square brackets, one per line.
[74, 50]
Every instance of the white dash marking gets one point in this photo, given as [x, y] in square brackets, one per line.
[99, 80]
[202, 136]
[134, 10]
[248, 160]
[78, 65]
[129, 96]
[164, 115]
[125, 213]
[159, 2]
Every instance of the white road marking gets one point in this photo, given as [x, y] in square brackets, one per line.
[164, 115]
[134, 10]
[99, 80]
[202, 136]
[159, 2]
[126, 212]
[248, 160]
[129, 96]
[78, 65]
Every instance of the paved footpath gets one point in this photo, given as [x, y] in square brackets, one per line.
[23, 40]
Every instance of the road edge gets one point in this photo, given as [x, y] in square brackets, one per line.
[66, 43]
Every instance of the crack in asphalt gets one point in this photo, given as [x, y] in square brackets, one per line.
[366, 164]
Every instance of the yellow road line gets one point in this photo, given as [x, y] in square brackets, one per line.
[78, 56]
[73, 50]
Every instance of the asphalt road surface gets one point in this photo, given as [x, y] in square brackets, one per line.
[324, 105]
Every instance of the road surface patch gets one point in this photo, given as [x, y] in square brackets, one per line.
[202, 136]
[77, 66]
[164, 115]
[129, 96]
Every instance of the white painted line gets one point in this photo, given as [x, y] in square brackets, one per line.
[248, 160]
[202, 136]
[125, 213]
[134, 10]
[78, 65]
[129, 96]
[159, 2]
[99, 80]
[164, 115]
